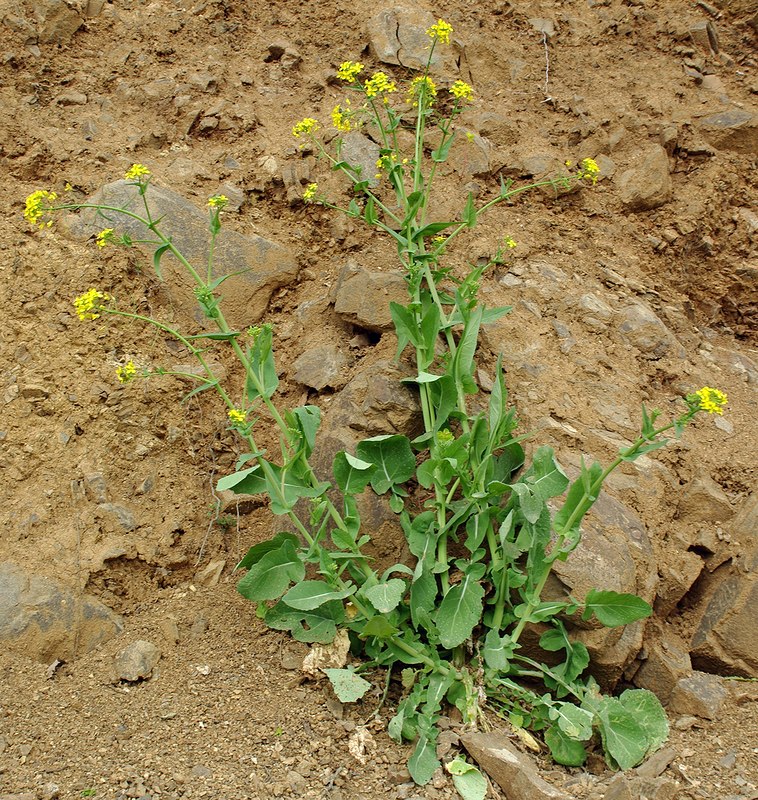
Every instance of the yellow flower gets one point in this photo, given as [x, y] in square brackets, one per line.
[440, 31]
[349, 70]
[711, 400]
[341, 119]
[217, 201]
[510, 242]
[422, 84]
[36, 205]
[310, 192]
[237, 416]
[68, 187]
[136, 171]
[379, 83]
[90, 304]
[126, 372]
[305, 126]
[589, 170]
[104, 237]
[461, 90]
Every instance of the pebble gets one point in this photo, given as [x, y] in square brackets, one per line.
[137, 661]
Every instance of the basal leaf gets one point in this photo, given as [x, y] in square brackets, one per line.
[498, 650]
[646, 708]
[319, 625]
[575, 722]
[564, 750]
[624, 738]
[467, 779]
[385, 597]
[257, 551]
[352, 474]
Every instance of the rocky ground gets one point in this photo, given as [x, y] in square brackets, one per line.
[130, 666]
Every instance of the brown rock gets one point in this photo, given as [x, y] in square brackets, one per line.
[735, 130]
[137, 661]
[667, 662]
[703, 500]
[648, 184]
[677, 577]
[58, 20]
[321, 366]
[640, 326]
[699, 695]
[511, 769]
[364, 297]
[634, 787]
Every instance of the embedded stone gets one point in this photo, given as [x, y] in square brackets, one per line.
[364, 297]
[45, 621]
[642, 328]
[137, 661]
[703, 500]
[57, 20]
[648, 184]
[513, 771]
[735, 130]
[264, 266]
[362, 154]
[321, 366]
[398, 36]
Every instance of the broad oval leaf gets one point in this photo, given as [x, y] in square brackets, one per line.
[614, 609]
[270, 577]
[385, 597]
[461, 609]
[393, 458]
[307, 595]
[348, 686]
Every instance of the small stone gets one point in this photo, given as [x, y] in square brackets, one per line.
[640, 326]
[667, 662]
[137, 661]
[58, 21]
[703, 500]
[201, 771]
[71, 98]
[699, 694]
[122, 514]
[211, 573]
[363, 297]
[735, 130]
[686, 722]
[362, 153]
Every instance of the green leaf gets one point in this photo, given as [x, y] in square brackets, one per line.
[613, 609]
[257, 551]
[215, 336]
[351, 474]
[369, 212]
[564, 750]
[444, 399]
[545, 477]
[468, 781]
[624, 739]
[469, 212]
[262, 379]
[423, 762]
[463, 360]
[393, 458]
[348, 686]
[318, 626]
[646, 708]
[575, 722]
[432, 229]
[204, 388]
[157, 255]
[461, 608]
[423, 596]
[307, 595]
[245, 481]
[269, 578]
[308, 419]
[385, 597]
[285, 488]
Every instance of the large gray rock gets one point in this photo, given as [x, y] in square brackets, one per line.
[267, 266]
[646, 185]
[363, 297]
[43, 620]
[360, 152]
[58, 20]
[398, 36]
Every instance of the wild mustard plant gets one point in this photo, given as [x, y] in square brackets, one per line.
[484, 527]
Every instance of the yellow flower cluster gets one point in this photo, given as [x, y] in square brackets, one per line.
[309, 194]
[90, 304]
[711, 400]
[461, 90]
[422, 84]
[349, 70]
[136, 172]
[237, 416]
[341, 118]
[126, 372]
[589, 170]
[379, 83]
[305, 126]
[217, 201]
[104, 237]
[510, 242]
[36, 205]
[440, 31]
